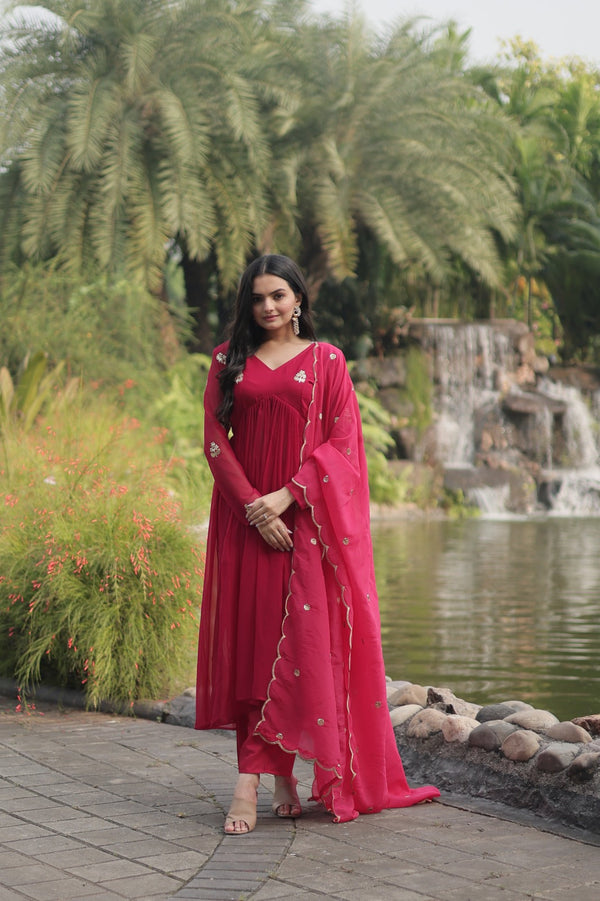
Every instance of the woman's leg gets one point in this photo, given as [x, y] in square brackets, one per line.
[258, 756]
[242, 813]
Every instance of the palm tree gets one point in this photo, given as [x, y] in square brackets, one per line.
[391, 141]
[556, 156]
[130, 125]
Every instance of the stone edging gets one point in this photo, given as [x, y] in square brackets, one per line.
[508, 752]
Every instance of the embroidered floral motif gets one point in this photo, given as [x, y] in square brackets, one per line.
[300, 376]
[221, 358]
[239, 378]
[215, 450]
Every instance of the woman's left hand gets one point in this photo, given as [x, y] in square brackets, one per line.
[266, 508]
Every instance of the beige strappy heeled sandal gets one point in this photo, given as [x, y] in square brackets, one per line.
[286, 794]
[241, 811]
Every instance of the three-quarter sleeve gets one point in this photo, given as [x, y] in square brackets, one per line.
[230, 478]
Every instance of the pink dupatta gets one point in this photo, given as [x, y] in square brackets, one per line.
[327, 696]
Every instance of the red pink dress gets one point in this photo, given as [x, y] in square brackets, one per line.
[298, 632]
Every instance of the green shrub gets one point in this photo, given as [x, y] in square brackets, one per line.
[179, 409]
[384, 486]
[100, 574]
[105, 330]
[419, 390]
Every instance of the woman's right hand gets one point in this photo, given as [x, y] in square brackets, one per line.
[276, 534]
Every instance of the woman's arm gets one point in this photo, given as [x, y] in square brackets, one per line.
[227, 471]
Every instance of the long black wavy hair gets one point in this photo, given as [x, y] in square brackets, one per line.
[246, 335]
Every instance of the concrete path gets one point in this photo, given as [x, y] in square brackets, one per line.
[100, 808]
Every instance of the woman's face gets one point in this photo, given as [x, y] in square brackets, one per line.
[273, 302]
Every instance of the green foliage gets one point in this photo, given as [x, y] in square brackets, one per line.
[179, 409]
[21, 404]
[419, 390]
[104, 330]
[384, 486]
[129, 123]
[100, 573]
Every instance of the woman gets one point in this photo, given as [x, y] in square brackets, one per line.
[290, 652]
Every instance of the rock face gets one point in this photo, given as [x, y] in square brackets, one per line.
[510, 752]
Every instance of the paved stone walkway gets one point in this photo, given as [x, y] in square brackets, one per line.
[100, 808]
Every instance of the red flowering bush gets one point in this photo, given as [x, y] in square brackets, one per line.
[100, 574]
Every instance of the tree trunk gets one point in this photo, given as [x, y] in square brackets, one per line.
[197, 277]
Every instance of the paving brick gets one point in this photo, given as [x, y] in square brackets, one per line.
[144, 887]
[63, 889]
[125, 809]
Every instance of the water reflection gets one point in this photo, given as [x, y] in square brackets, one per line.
[494, 609]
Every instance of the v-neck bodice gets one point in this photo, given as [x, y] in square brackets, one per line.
[268, 418]
[286, 362]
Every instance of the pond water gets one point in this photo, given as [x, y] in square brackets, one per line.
[494, 609]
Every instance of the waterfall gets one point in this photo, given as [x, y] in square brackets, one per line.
[546, 432]
[579, 425]
[468, 361]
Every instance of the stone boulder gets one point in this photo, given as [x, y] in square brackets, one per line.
[446, 701]
[568, 732]
[399, 715]
[458, 728]
[590, 723]
[536, 720]
[521, 745]
[556, 757]
[426, 723]
[410, 694]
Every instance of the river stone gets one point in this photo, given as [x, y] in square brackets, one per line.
[520, 745]
[392, 687]
[537, 720]
[590, 723]
[568, 732]
[490, 735]
[181, 711]
[584, 767]
[495, 712]
[446, 701]
[518, 705]
[426, 723]
[410, 694]
[400, 715]
[458, 728]
[557, 757]
[485, 738]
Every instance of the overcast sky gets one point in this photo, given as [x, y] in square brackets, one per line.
[558, 27]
